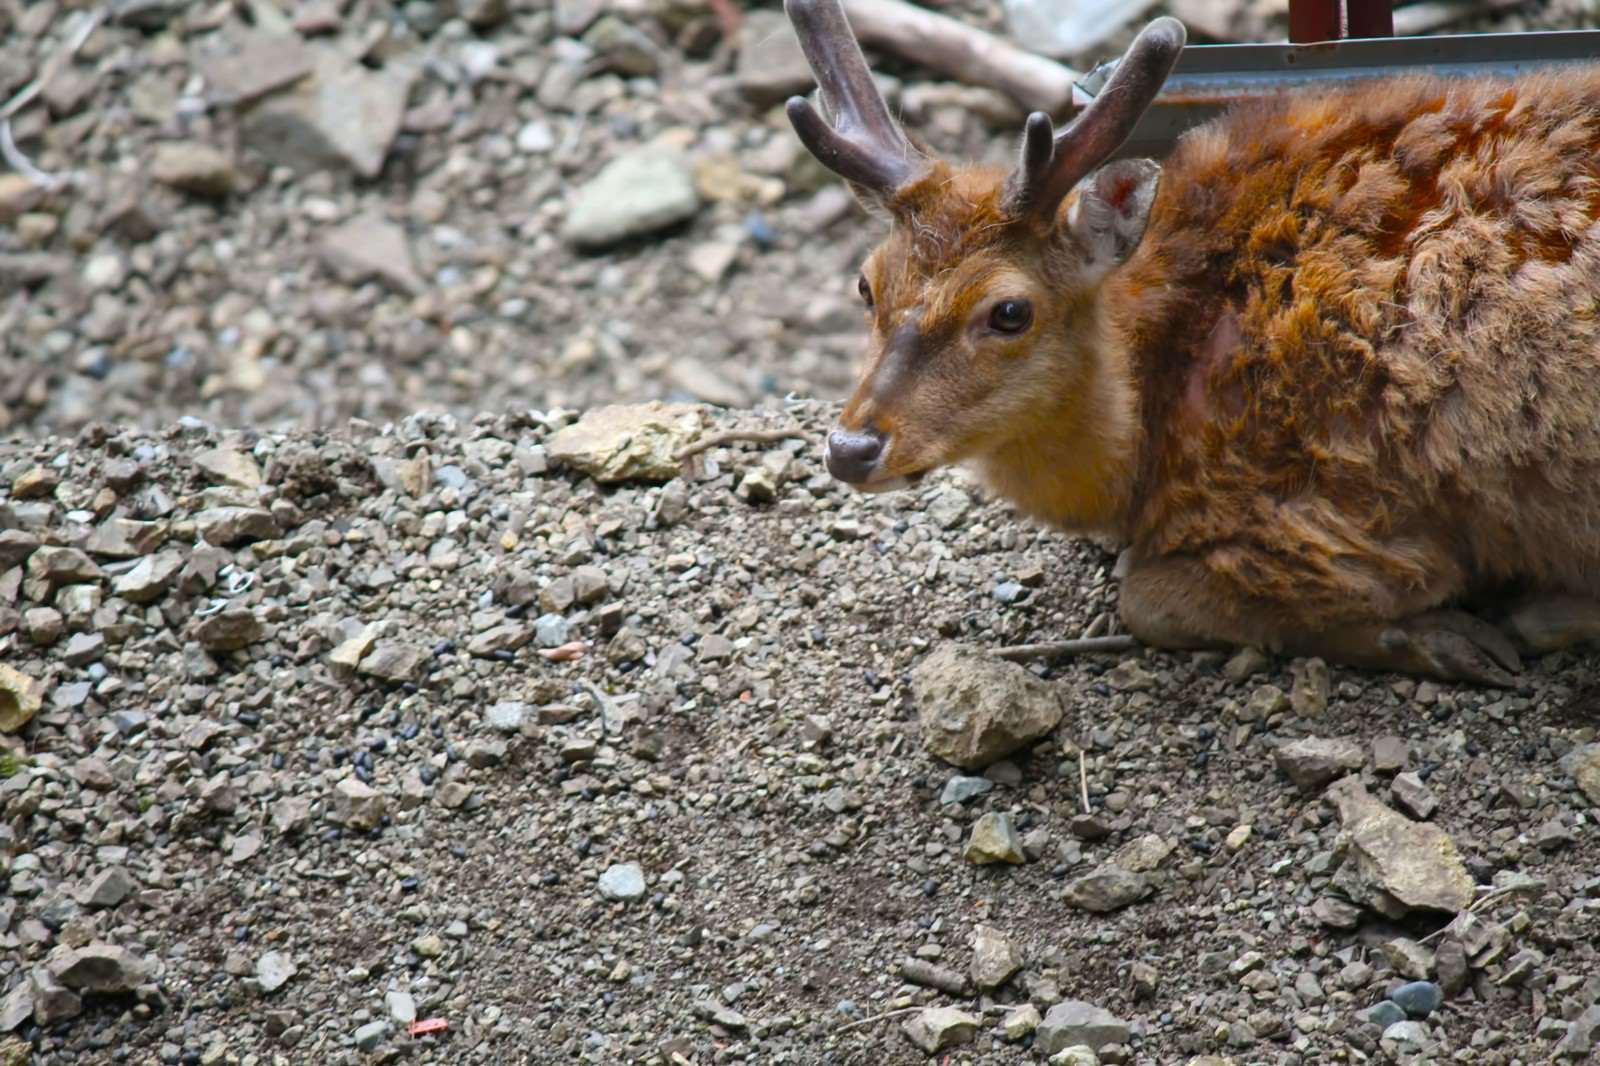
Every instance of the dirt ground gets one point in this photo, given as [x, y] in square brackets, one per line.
[349, 723]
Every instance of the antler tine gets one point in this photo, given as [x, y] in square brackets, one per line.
[1052, 164]
[864, 145]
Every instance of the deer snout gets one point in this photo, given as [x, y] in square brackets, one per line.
[853, 455]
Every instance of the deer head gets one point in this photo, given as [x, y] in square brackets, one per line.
[982, 300]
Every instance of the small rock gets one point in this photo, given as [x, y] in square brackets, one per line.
[1020, 1022]
[1246, 663]
[623, 882]
[53, 1002]
[1403, 1040]
[623, 442]
[258, 63]
[109, 888]
[291, 815]
[1413, 796]
[1409, 958]
[225, 466]
[103, 968]
[994, 958]
[20, 699]
[273, 970]
[150, 579]
[771, 67]
[402, 1007]
[371, 1036]
[16, 1008]
[1076, 1055]
[623, 48]
[368, 247]
[718, 1014]
[1314, 761]
[195, 168]
[960, 789]
[994, 839]
[1390, 753]
[1076, 1021]
[1106, 889]
[502, 638]
[976, 709]
[390, 660]
[1418, 998]
[343, 116]
[934, 1029]
[1450, 965]
[357, 805]
[636, 194]
[230, 526]
[508, 716]
[229, 630]
[1582, 764]
[1383, 1014]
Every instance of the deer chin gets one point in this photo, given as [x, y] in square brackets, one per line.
[891, 484]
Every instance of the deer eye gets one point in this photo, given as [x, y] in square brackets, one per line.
[865, 290]
[1011, 316]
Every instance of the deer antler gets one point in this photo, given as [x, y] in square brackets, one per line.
[864, 145]
[1052, 163]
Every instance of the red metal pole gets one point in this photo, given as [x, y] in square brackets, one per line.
[1369, 18]
[1314, 20]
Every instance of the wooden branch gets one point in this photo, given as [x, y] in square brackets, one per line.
[964, 53]
[733, 436]
[1057, 648]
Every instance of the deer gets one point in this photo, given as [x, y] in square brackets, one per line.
[1328, 374]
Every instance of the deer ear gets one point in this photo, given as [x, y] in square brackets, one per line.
[1111, 210]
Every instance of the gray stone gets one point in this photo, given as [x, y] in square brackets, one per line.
[370, 247]
[255, 65]
[506, 637]
[17, 1007]
[1413, 796]
[357, 805]
[194, 168]
[637, 194]
[1582, 764]
[1314, 761]
[960, 789]
[273, 971]
[1405, 1039]
[1106, 889]
[109, 888]
[1396, 865]
[1246, 662]
[371, 1036]
[83, 648]
[228, 526]
[1020, 1022]
[1583, 1034]
[949, 506]
[393, 661]
[402, 1007]
[629, 441]
[507, 716]
[623, 48]
[53, 1002]
[976, 709]
[771, 67]
[623, 882]
[1384, 1014]
[343, 116]
[1077, 1021]
[934, 1029]
[229, 630]
[994, 958]
[55, 566]
[150, 579]
[227, 466]
[994, 839]
[1084, 1055]
[291, 814]
[1418, 998]
[551, 630]
[98, 967]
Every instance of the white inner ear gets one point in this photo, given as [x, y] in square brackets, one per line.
[1112, 208]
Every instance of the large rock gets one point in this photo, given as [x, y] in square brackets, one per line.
[150, 579]
[20, 699]
[976, 709]
[343, 116]
[1077, 1021]
[1106, 889]
[994, 958]
[229, 630]
[628, 441]
[1395, 865]
[1583, 766]
[636, 194]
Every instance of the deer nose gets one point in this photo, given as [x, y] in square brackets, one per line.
[852, 456]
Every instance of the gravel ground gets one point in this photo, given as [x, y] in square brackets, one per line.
[318, 728]
[309, 706]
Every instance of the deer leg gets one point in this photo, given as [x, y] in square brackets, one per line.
[1178, 603]
[1552, 623]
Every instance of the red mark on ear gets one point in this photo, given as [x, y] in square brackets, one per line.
[1120, 195]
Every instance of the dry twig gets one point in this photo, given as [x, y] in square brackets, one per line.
[877, 1018]
[734, 436]
[24, 96]
[1083, 782]
[1056, 648]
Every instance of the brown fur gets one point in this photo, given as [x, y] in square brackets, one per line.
[1351, 373]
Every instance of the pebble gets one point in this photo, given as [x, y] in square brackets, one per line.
[936, 1029]
[636, 194]
[995, 959]
[1418, 999]
[196, 168]
[960, 789]
[994, 839]
[1313, 762]
[370, 1037]
[1079, 1022]
[273, 971]
[1106, 889]
[1384, 1014]
[623, 882]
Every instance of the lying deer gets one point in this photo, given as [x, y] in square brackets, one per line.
[1329, 370]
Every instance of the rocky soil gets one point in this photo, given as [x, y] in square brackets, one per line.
[312, 736]
[508, 737]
